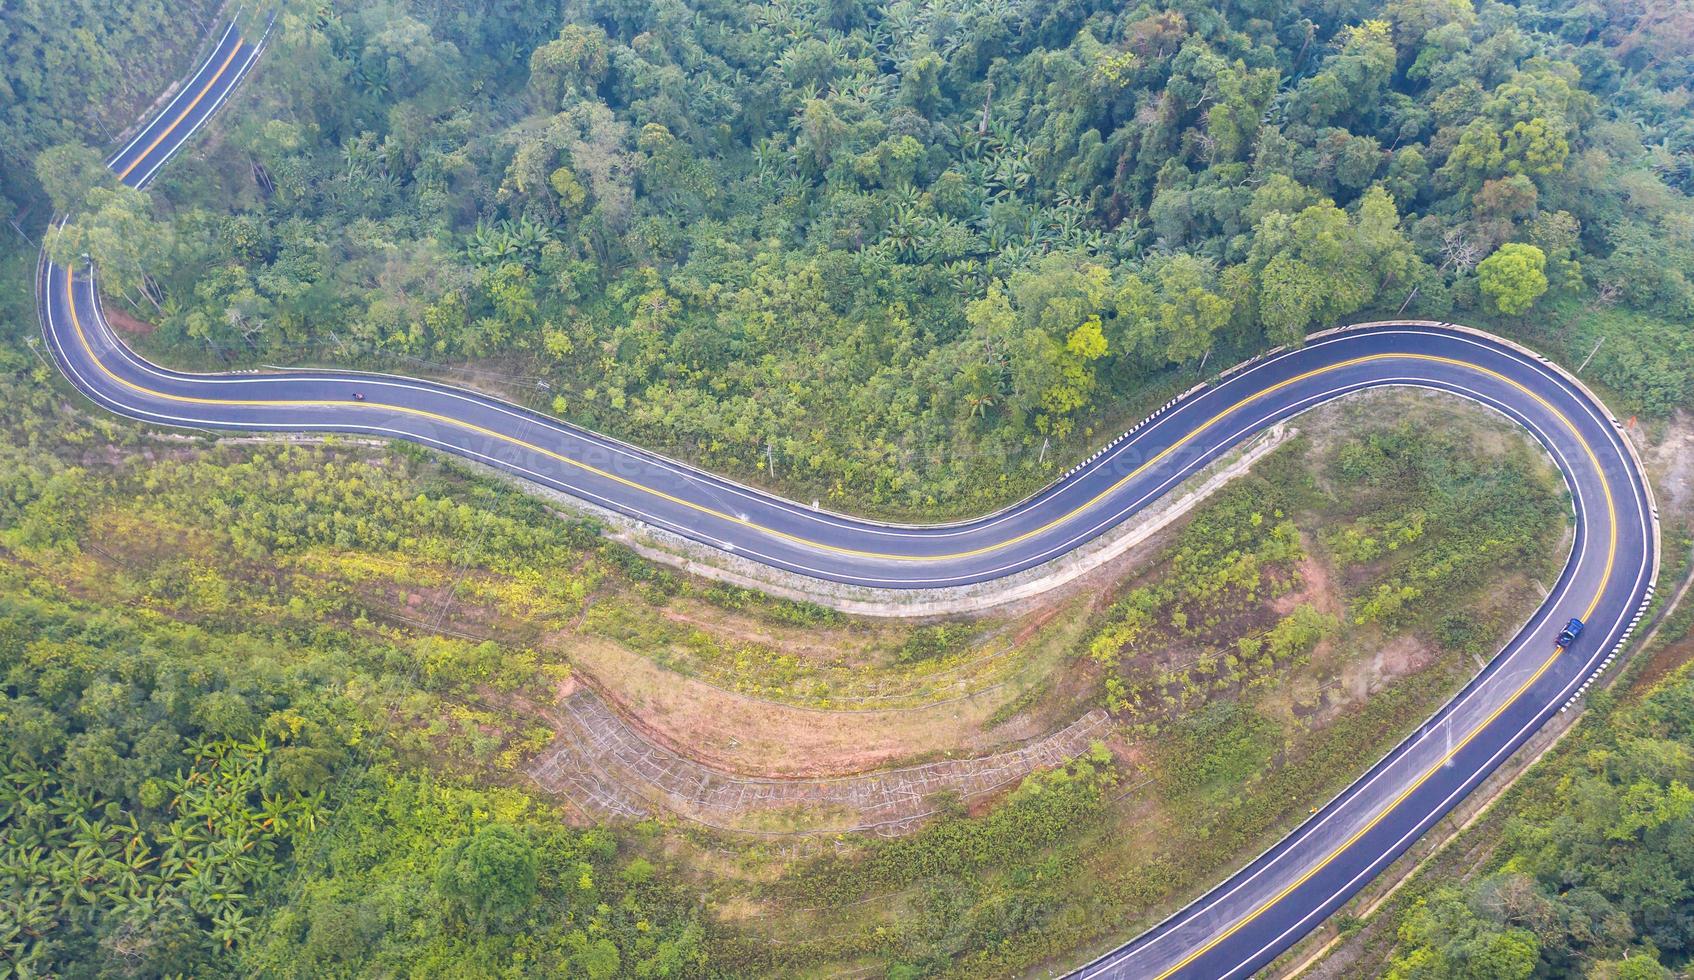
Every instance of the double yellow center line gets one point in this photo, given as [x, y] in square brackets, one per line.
[233, 51]
[783, 535]
[1452, 752]
[1611, 550]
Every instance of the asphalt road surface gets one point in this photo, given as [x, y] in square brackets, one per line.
[1259, 911]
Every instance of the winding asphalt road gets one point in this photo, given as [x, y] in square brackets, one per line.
[1262, 909]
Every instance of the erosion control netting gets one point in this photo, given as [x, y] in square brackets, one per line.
[607, 769]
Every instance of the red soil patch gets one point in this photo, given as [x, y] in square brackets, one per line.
[1316, 585]
[1666, 660]
[125, 323]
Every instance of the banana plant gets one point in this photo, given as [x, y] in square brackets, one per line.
[230, 926]
[273, 814]
[75, 874]
[27, 864]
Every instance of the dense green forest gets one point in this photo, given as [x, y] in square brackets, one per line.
[79, 71]
[919, 255]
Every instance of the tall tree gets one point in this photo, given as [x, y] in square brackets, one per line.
[1514, 277]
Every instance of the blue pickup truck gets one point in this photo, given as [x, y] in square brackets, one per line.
[1568, 635]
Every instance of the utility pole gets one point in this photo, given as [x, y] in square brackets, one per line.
[1409, 297]
[1043, 460]
[770, 461]
[1591, 354]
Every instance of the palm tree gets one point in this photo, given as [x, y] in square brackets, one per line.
[75, 874]
[139, 906]
[1001, 135]
[531, 237]
[310, 811]
[371, 78]
[19, 790]
[907, 239]
[28, 864]
[274, 813]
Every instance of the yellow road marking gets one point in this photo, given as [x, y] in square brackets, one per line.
[1367, 828]
[183, 115]
[1089, 504]
[1605, 579]
[1611, 551]
[743, 522]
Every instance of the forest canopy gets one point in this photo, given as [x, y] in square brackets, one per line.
[914, 255]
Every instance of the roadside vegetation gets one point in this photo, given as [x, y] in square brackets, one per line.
[305, 643]
[1252, 668]
[1593, 875]
[269, 708]
[1580, 870]
[206, 772]
[917, 257]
